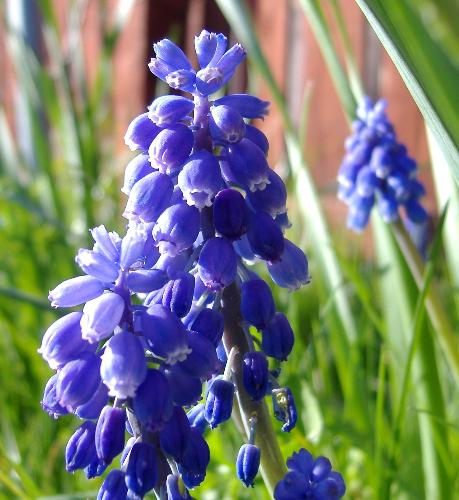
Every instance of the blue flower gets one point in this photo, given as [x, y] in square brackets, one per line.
[309, 479]
[247, 463]
[141, 470]
[377, 168]
[109, 436]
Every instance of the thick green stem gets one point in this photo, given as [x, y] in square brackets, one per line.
[447, 339]
[272, 462]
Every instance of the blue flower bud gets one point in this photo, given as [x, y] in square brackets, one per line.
[248, 165]
[92, 408]
[278, 337]
[106, 243]
[63, 342]
[95, 469]
[257, 303]
[366, 182]
[200, 179]
[219, 401]
[230, 214]
[415, 211]
[75, 291]
[273, 199]
[284, 408]
[165, 334]
[208, 323]
[81, 447]
[176, 489]
[388, 209]
[185, 390]
[247, 105]
[146, 280]
[110, 433]
[182, 79]
[171, 54]
[123, 366]
[50, 402]
[149, 198]
[202, 361]
[195, 460]
[141, 470]
[175, 434]
[152, 403]
[169, 109]
[77, 381]
[255, 374]
[247, 463]
[114, 487]
[97, 265]
[176, 229]
[294, 485]
[178, 294]
[226, 124]
[135, 170]
[205, 45]
[133, 245]
[196, 417]
[217, 264]
[128, 446]
[170, 148]
[291, 271]
[101, 316]
[265, 237]
[221, 353]
[257, 137]
[140, 133]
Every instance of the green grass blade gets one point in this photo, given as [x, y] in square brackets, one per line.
[429, 75]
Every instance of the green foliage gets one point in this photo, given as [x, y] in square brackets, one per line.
[373, 389]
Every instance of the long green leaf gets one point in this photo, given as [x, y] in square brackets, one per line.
[428, 74]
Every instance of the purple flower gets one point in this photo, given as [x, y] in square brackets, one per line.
[75, 291]
[219, 401]
[140, 133]
[123, 366]
[114, 487]
[257, 303]
[141, 470]
[255, 374]
[175, 434]
[170, 148]
[101, 316]
[230, 214]
[169, 109]
[247, 463]
[226, 124]
[277, 337]
[81, 448]
[109, 437]
[136, 169]
[217, 263]
[247, 105]
[178, 294]
[291, 270]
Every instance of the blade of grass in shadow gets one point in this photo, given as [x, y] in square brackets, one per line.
[238, 16]
[428, 74]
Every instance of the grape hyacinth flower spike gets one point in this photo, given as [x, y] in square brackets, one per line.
[377, 169]
[161, 306]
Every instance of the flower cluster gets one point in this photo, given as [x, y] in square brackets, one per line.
[377, 169]
[309, 479]
[202, 205]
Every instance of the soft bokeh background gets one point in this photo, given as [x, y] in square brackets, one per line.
[73, 76]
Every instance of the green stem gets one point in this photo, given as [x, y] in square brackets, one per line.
[435, 310]
[272, 462]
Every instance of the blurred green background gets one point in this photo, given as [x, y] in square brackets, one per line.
[374, 368]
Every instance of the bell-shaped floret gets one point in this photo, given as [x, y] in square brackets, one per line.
[49, 402]
[230, 214]
[247, 463]
[113, 487]
[257, 303]
[153, 404]
[75, 291]
[278, 338]
[63, 342]
[255, 374]
[291, 270]
[200, 179]
[176, 229]
[164, 333]
[81, 447]
[207, 323]
[195, 460]
[257, 137]
[202, 361]
[185, 390]
[248, 164]
[123, 366]
[140, 133]
[226, 125]
[101, 316]
[109, 436]
[78, 380]
[196, 417]
[168, 110]
[142, 469]
[273, 199]
[170, 148]
[175, 488]
[149, 198]
[219, 401]
[178, 294]
[92, 408]
[146, 280]
[135, 170]
[247, 105]
[205, 45]
[265, 237]
[175, 434]
[217, 264]
[97, 265]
